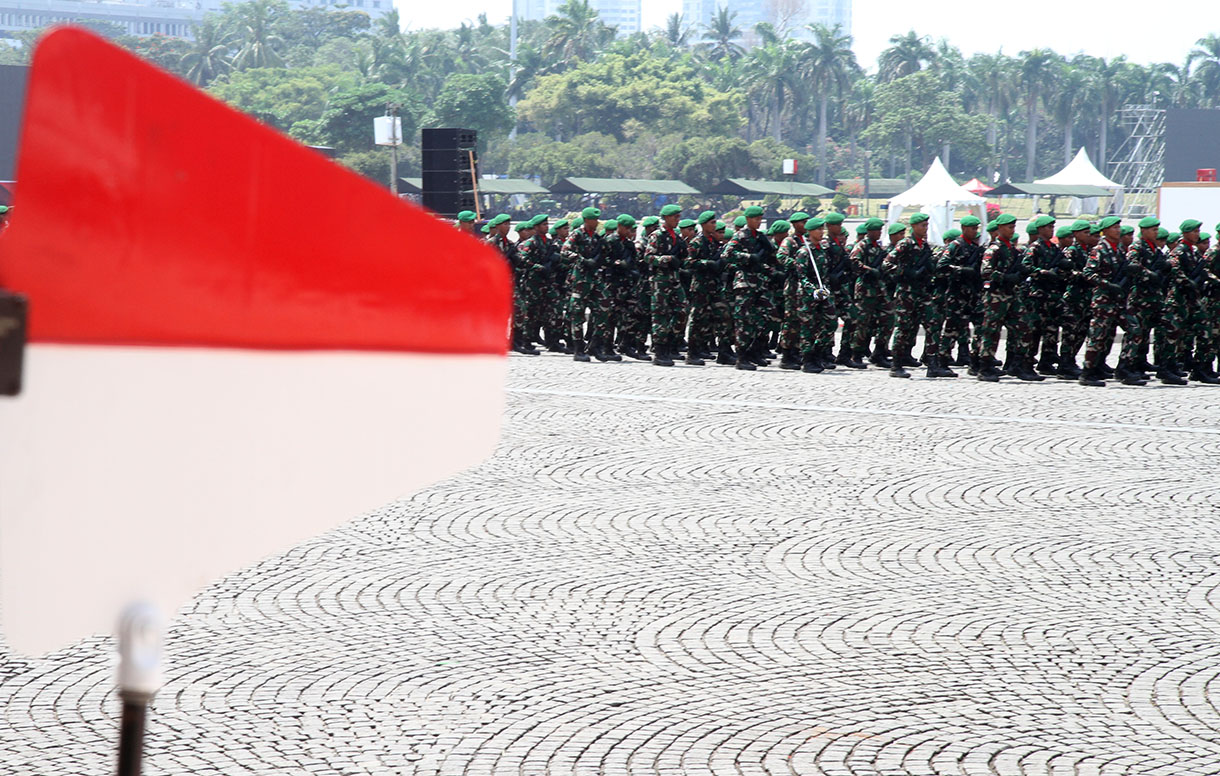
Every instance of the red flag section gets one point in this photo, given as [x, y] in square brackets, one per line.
[152, 214]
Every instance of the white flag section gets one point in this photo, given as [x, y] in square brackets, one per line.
[147, 473]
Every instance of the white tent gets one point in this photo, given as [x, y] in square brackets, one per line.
[1081, 172]
[938, 195]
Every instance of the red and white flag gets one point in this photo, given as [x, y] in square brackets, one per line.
[235, 344]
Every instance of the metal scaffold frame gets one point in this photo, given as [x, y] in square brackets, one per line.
[1141, 157]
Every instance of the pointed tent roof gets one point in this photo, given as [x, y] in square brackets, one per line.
[1080, 171]
[936, 188]
[977, 186]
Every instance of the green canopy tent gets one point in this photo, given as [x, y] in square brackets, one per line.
[621, 186]
[741, 187]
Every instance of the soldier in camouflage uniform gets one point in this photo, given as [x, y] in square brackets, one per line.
[871, 297]
[705, 268]
[557, 292]
[1145, 275]
[722, 306]
[1001, 274]
[958, 282]
[665, 253]
[788, 257]
[841, 282]
[465, 221]
[1105, 270]
[585, 253]
[534, 256]
[910, 267]
[1077, 299]
[1207, 345]
[497, 231]
[748, 252]
[1042, 297]
[817, 313]
[1183, 317]
[629, 285]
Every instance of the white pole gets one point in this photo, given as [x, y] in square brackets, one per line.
[141, 633]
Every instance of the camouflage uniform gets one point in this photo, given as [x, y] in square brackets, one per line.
[705, 289]
[1144, 275]
[956, 287]
[585, 252]
[1104, 270]
[1042, 300]
[1208, 345]
[557, 293]
[534, 257]
[909, 267]
[817, 313]
[1182, 321]
[790, 254]
[841, 282]
[665, 254]
[1074, 304]
[871, 298]
[631, 291]
[750, 253]
[1001, 274]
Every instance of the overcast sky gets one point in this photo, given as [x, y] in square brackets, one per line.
[1146, 32]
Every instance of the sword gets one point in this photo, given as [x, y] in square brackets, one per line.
[812, 263]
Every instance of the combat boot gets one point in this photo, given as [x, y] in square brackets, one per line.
[972, 368]
[844, 354]
[940, 367]
[963, 356]
[745, 361]
[724, 355]
[1169, 377]
[1091, 377]
[878, 358]
[1200, 376]
[1046, 365]
[1125, 376]
[788, 361]
[812, 363]
[827, 357]
[896, 370]
[661, 358]
[1025, 371]
[903, 357]
[856, 361]
[988, 374]
[1104, 370]
[1067, 370]
[579, 354]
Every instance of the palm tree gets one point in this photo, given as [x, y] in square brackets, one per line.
[1065, 103]
[260, 47]
[721, 36]
[773, 72]
[1108, 83]
[857, 112]
[1204, 63]
[676, 33]
[576, 32]
[208, 57]
[830, 65]
[1035, 68]
[993, 75]
[907, 54]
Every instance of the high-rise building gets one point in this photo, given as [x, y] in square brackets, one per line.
[789, 17]
[623, 14]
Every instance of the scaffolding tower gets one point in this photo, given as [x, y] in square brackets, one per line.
[1141, 158]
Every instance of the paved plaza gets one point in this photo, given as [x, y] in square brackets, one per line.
[706, 571]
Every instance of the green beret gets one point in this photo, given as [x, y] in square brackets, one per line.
[1204, 236]
[1162, 233]
[1127, 229]
[1110, 221]
[486, 229]
[671, 210]
[917, 218]
[500, 219]
[1190, 225]
[1079, 225]
[834, 218]
[970, 221]
[873, 224]
[1174, 237]
[753, 211]
[685, 222]
[721, 226]
[466, 216]
[1149, 221]
[706, 216]
[1063, 231]
[555, 227]
[1095, 227]
[650, 221]
[1042, 221]
[1031, 228]
[992, 226]
[739, 221]
[815, 223]
[779, 226]
[896, 227]
[626, 220]
[861, 228]
[798, 216]
[541, 218]
[953, 234]
[590, 213]
[1004, 218]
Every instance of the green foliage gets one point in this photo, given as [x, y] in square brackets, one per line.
[347, 121]
[654, 93]
[163, 51]
[704, 161]
[374, 164]
[914, 107]
[282, 97]
[473, 102]
[551, 161]
[840, 202]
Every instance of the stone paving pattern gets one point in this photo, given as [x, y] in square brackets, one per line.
[706, 571]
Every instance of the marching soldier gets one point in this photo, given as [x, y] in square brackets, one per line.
[818, 316]
[706, 268]
[870, 296]
[841, 282]
[630, 288]
[465, 221]
[557, 290]
[665, 253]
[1001, 274]
[789, 256]
[747, 253]
[1145, 271]
[910, 267]
[585, 253]
[497, 231]
[534, 255]
[1104, 270]
[1042, 298]
[958, 282]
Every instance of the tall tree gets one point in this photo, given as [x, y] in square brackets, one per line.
[1036, 68]
[772, 70]
[260, 46]
[907, 54]
[1065, 103]
[209, 54]
[677, 32]
[830, 65]
[721, 36]
[1108, 83]
[576, 32]
[1204, 61]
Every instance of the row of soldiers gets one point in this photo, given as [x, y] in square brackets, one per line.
[598, 288]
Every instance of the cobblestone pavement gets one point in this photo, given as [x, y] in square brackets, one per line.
[706, 571]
